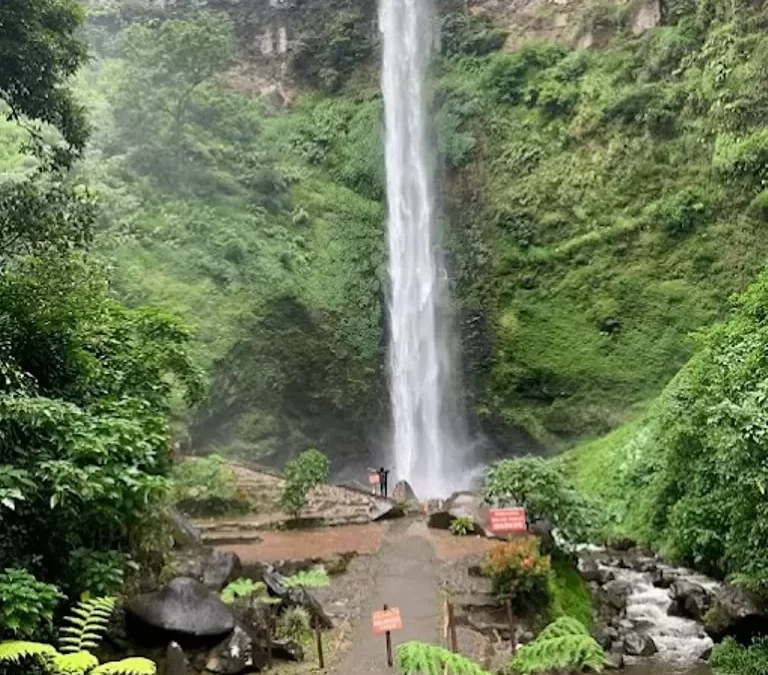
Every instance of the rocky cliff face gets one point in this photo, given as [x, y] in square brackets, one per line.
[271, 30]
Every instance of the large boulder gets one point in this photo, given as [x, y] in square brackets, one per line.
[689, 600]
[636, 644]
[175, 660]
[185, 534]
[462, 505]
[403, 492]
[736, 613]
[213, 568]
[183, 608]
[236, 654]
[616, 593]
[592, 572]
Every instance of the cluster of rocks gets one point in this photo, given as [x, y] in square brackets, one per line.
[187, 628]
[720, 610]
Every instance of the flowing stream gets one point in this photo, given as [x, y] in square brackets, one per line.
[429, 437]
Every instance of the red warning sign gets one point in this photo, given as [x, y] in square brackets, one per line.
[386, 621]
[508, 521]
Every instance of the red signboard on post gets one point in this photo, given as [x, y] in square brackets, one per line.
[508, 521]
[386, 621]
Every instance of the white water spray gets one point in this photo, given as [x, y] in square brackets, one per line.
[430, 440]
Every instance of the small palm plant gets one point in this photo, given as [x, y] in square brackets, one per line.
[564, 644]
[421, 658]
[81, 634]
[462, 526]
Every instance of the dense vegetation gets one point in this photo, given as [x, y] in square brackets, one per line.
[86, 383]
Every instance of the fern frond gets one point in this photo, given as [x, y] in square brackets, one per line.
[86, 624]
[314, 578]
[16, 650]
[420, 658]
[77, 663]
[567, 652]
[136, 665]
[242, 588]
[563, 626]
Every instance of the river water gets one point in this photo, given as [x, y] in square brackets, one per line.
[429, 436]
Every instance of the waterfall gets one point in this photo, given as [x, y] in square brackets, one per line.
[429, 436]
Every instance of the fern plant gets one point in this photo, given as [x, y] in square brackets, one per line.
[314, 578]
[83, 632]
[86, 625]
[421, 658]
[462, 526]
[242, 588]
[564, 644]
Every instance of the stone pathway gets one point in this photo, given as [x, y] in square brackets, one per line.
[404, 577]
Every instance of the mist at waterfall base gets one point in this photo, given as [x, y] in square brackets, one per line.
[431, 448]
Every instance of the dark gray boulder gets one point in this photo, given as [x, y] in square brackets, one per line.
[175, 660]
[221, 568]
[689, 600]
[297, 597]
[185, 534]
[736, 613]
[184, 607]
[615, 661]
[462, 505]
[615, 594]
[592, 572]
[287, 650]
[638, 645]
[237, 653]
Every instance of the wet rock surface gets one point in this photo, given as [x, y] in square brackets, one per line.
[737, 613]
[462, 505]
[184, 607]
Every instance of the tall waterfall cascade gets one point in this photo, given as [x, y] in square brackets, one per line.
[429, 436]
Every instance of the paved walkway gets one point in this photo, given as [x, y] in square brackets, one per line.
[404, 577]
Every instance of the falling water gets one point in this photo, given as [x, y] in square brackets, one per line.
[429, 431]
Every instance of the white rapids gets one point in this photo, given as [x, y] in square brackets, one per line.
[429, 436]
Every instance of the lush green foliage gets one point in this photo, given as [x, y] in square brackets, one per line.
[462, 526]
[570, 593]
[207, 487]
[26, 604]
[100, 573]
[307, 471]
[731, 658]
[565, 644]
[84, 626]
[689, 477]
[546, 493]
[314, 578]
[420, 658]
[294, 624]
[519, 571]
[81, 633]
[242, 588]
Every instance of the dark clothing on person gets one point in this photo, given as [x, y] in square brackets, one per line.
[383, 474]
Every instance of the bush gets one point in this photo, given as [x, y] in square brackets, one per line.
[518, 569]
[207, 487]
[26, 605]
[310, 469]
[731, 658]
[563, 645]
[99, 573]
[462, 526]
[294, 624]
[543, 490]
[682, 212]
[470, 34]
[742, 159]
[759, 206]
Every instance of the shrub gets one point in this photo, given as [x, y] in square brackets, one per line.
[207, 487]
[682, 212]
[731, 658]
[759, 206]
[310, 469]
[518, 569]
[470, 34]
[100, 573]
[462, 526]
[563, 645]
[420, 658]
[294, 624]
[26, 604]
[542, 488]
[742, 159]
[242, 588]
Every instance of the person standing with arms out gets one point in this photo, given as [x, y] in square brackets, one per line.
[383, 474]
